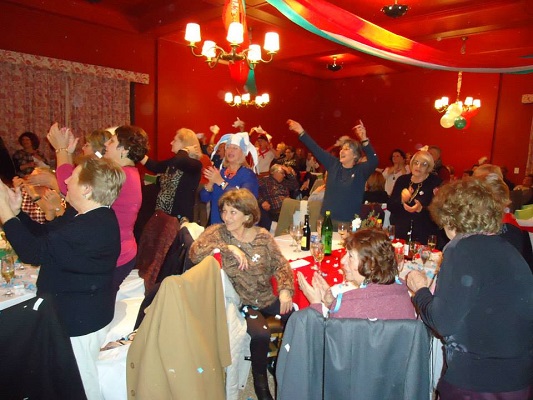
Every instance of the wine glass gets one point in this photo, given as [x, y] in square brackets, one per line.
[424, 253]
[317, 251]
[391, 230]
[342, 228]
[319, 226]
[8, 273]
[432, 242]
[293, 228]
[298, 238]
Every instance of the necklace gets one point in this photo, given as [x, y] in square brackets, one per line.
[414, 191]
[229, 174]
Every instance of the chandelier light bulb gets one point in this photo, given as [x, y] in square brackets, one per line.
[271, 42]
[235, 33]
[254, 53]
[209, 49]
[228, 97]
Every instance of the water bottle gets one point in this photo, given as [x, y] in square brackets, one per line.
[327, 233]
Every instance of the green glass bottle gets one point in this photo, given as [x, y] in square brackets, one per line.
[327, 233]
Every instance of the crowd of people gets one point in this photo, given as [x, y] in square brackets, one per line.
[78, 225]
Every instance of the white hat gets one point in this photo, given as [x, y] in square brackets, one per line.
[240, 139]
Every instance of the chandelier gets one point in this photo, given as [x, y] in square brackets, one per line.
[246, 100]
[459, 113]
[235, 36]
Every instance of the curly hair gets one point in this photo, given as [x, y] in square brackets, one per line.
[469, 205]
[35, 142]
[377, 262]
[134, 139]
[244, 201]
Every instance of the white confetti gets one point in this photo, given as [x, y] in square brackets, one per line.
[287, 347]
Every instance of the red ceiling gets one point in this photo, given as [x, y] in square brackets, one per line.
[500, 27]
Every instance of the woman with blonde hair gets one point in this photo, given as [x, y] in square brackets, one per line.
[483, 302]
[180, 175]
[411, 197]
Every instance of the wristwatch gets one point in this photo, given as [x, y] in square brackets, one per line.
[223, 185]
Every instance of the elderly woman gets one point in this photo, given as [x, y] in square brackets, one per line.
[250, 257]
[411, 197]
[371, 289]
[29, 157]
[77, 253]
[180, 175]
[127, 146]
[346, 174]
[235, 172]
[483, 303]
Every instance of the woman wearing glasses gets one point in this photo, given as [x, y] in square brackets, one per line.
[411, 197]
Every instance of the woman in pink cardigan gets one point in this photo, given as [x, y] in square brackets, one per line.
[127, 146]
[371, 287]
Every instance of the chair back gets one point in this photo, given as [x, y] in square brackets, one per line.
[289, 207]
[524, 213]
[389, 359]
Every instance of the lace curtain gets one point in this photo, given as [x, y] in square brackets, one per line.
[33, 95]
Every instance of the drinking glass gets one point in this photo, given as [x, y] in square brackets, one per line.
[317, 251]
[293, 228]
[342, 228]
[391, 230]
[319, 226]
[298, 238]
[424, 253]
[398, 253]
[8, 273]
[432, 242]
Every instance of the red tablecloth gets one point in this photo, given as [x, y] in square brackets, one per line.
[331, 267]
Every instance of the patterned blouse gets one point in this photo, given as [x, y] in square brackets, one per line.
[264, 262]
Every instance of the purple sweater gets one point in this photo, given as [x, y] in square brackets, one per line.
[374, 301]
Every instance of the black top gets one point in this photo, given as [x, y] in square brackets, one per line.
[483, 309]
[78, 255]
[423, 225]
[179, 181]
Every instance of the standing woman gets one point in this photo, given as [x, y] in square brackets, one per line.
[126, 147]
[483, 302]
[398, 169]
[29, 157]
[250, 258]
[235, 172]
[411, 197]
[78, 254]
[180, 175]
[346, 174]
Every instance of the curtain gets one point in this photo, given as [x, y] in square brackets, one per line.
[37, 91]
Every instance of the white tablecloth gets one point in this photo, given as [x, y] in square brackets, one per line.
[24, 287]
[284, 242]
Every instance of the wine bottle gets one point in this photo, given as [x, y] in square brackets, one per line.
[327, 233]
[306, 237]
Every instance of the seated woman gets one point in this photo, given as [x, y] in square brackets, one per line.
[482, 304]
[250, 257]
[371, 289]
[77, 253]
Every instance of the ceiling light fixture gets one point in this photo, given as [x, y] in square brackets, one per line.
[395, 10]
[245, 100]
[334, 67]
[458, 114]
[235, 37]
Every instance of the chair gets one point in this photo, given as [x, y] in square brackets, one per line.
[157, 236]
[289, 207]
[320, 359]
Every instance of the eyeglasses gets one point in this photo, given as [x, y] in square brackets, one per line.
[422, 163]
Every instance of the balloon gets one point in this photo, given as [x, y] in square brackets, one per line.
[447, 121]
[454, 110]
[459, 122]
